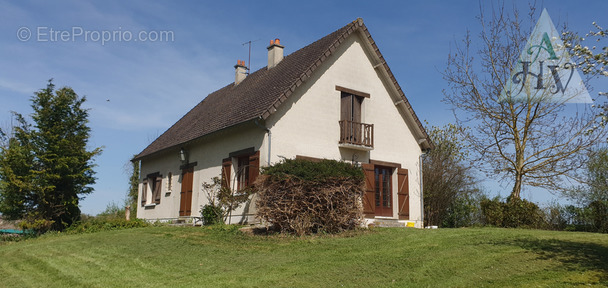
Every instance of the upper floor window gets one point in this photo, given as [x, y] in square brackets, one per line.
[350, 107]
[353, 132]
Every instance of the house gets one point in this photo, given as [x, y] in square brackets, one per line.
[333, 99]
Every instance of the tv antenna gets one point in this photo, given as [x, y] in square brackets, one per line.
[249, 60]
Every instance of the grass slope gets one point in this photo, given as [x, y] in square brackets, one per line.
[223, 257]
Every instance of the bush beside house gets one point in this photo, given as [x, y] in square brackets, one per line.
[303, 197]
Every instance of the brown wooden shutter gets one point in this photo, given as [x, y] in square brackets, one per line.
[185, 205]
[254, 167]
[369, 200]
[356, 127]
[403, 194]
[346, 107]
[144, 193]
[157, 189]
[357, 108]
[226, 167]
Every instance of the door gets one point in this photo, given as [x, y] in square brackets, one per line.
[350, 113]
[383, 191]
[185, 203]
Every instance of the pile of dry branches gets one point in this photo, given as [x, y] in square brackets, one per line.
[298, 206]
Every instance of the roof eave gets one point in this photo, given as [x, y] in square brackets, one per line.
[189, 142]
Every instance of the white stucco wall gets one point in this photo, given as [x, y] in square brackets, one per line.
[208, 153]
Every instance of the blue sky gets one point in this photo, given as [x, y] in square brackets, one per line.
[138, 89]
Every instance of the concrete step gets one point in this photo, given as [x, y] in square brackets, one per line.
[188, 221]
[388, 223]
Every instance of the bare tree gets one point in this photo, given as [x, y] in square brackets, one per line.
[447, 174]
[535, 140]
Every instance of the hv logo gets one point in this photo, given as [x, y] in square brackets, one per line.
[544, 71]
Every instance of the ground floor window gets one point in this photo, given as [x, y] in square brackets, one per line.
[151, 189]
[242, 172]
[246, 166]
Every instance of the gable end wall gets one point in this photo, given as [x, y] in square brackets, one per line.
[307, 123]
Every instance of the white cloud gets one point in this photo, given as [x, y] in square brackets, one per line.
[18, 86]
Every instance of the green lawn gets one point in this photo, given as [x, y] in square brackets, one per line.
[203, 257]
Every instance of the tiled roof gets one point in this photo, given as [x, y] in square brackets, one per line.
[260, 93]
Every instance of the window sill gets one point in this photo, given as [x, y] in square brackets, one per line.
[150, 206]
[355, 147]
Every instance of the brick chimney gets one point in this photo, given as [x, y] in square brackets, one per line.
[275, 53]
[240, 71]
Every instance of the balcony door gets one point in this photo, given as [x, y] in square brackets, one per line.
[350, 115]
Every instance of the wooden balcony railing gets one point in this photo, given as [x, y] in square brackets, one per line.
[356, 133]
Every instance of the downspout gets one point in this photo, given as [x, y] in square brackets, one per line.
[257, 123]
[421, 189]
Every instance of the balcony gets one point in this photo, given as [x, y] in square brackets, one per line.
[356, 135]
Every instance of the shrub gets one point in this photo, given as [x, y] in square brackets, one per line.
[599, 214]
[112, 211]
[211, 214]
[37, 225]
[512, 213]
[492, 212]
[8, 237]
[112, 218]
[314, 170]
[222, 201]
[98, 224]
[464, 211]
[523, 213]
[304, 197]
[555, 217]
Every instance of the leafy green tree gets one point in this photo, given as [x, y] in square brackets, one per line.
[448, 180]
[46, 168]
[595, 187]
[592, 196]
[16, 178]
